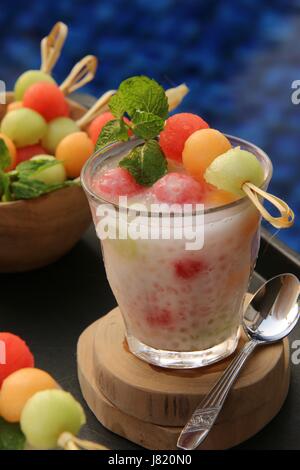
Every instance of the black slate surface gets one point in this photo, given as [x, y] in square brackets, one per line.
[50, 307]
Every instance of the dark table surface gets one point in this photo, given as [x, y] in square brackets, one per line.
[50, 308]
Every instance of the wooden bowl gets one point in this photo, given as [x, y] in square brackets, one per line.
[36, 232]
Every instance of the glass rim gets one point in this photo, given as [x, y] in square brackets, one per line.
[211, 210]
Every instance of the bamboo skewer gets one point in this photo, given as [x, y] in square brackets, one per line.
[51, 46]
[98, 108]
[286, 218]
[69, 442]
[175, 96]
[82, 72]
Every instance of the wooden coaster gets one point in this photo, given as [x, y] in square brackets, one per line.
[147, 404]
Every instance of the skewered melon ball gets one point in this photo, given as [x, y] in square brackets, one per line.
[47, 415]
[58, 129]
[201, 148]
[54, 174]
[18, 355]
[73, 151]
[12, 151]
[24, 126]
[177, 130]
[18, 387]
[46, 99]
[27, 79]
[234, 168]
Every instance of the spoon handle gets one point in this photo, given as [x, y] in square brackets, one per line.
[206, 413]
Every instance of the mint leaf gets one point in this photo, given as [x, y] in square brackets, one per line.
[5, 158]
[143, 94]
[147, 125]
[112, 131]
[11, 436]
[30, 188]
[29, 168]
[116, 105]
[146, 163]
[5, 187]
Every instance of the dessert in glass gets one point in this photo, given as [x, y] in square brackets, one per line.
[181, 306]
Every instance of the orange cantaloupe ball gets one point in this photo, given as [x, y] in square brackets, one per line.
[14, 105]
[201, 148]
[12, 151]
[74, 150]
[18, 387]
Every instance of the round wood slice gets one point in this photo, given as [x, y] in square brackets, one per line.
[146, 404]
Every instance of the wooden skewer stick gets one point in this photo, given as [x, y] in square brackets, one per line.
[51, 46]
[176, 95]
[82, 72]
[286, 218]
[69, 442]
[99, 107]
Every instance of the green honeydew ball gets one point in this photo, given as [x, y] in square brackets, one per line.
[24, 126]
[53, 174]
[232, 169]
[58, 129]
[48, 414]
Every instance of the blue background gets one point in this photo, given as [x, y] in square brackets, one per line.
[239, 59]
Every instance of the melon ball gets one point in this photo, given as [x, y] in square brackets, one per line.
[24, 126]
[201, 148]
[177, 129]
[58, 129]
[116, 182]
[232, 169]
[18, 387]
[16, 353]
[74, 150]
[177, 188]
[47, 415]
[46, 99]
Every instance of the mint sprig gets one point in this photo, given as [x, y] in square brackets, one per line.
[146, 163]
[146, 104]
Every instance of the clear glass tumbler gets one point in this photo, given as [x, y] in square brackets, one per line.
[182, 308]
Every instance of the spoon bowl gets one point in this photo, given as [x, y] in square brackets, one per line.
[273, 310]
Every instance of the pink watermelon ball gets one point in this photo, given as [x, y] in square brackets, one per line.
[178, 188]
[46, 99]
[177, 130]
[116, 182]
[17, 355]
[98, 123]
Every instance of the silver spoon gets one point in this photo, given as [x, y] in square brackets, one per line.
[271, 315]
